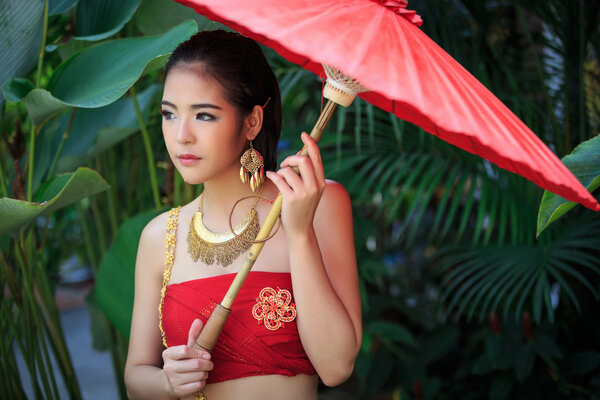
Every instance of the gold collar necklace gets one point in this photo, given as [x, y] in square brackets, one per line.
[225, 247]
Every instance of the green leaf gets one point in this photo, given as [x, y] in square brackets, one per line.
[482, 365]
[51, 196]
[96, 130]
[523, 362]
[584, 163]
[583, 362]
[501, 387]
[60, 6]
[68, 49]
[158, 16]
[102, 73]
[438, 344]
[115, 281]
[21, 32]
[392, 331]
[41, 105]
[100, 19]
[15, 89]
[546, 346]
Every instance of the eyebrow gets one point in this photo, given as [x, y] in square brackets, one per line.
[193, 106]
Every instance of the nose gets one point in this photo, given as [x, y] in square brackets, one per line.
[185, 134]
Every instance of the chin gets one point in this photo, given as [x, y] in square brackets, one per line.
[192, 180]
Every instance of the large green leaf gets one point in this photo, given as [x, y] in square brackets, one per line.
[157, 16]
[93, 131]
[100, 19]
[54, 194]
[116, 276]
[21, 33]
[68, 49]
[16, 89]
[584, 162]
[96, 130]
[60, 6]
[40, 103]
[100, 74]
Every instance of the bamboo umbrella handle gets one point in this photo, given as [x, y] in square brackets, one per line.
[211, 331]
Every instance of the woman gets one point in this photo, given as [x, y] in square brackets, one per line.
[221, 104]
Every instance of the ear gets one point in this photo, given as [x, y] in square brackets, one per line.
[253, 122]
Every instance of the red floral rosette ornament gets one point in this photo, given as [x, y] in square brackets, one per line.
[273, 308]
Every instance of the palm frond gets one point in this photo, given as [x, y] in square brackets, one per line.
[514, 278]
[413, 180]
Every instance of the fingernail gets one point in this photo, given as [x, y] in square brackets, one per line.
[206, 356]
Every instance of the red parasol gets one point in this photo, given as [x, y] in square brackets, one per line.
[378, 43]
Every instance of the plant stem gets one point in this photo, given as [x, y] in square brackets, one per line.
[51, 317]
[3, 188]
[87, 237]
[148, 147]
[61, 145]
[581, 72]
[111, 194]
[99, 222]
[29, 314]
[32, 131]
[42, 47]
[117, 361]
[8, 369]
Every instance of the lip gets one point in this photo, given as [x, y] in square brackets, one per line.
[188, 159]
[188, 156]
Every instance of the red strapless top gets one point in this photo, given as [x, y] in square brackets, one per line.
[260, 336]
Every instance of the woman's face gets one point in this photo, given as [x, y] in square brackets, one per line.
[200, 128]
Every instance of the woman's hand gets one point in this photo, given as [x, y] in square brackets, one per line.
[186, 368]
[301, 193]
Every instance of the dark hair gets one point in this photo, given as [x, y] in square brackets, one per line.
[239, 65]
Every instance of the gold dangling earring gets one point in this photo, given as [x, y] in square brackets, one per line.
[252, 169]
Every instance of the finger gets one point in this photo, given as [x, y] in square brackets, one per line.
[184, 352]
[194, 331]
[280, 182]
[193, 334]
[193, 365]
[295, 181]
[190, 388]
[315, 155]
[305, 167]
[189, 377]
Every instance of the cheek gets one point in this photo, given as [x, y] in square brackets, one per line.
[169, 138]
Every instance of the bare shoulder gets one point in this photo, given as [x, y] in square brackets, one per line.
[152, 240]
[335, 200]
[333, 219]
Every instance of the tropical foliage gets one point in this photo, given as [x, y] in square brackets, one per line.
[461, 299]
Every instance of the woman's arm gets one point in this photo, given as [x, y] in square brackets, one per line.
[145, 377]
[322, 265]
[325, 278]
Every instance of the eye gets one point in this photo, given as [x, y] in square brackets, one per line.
[167, 115]
[204, 117]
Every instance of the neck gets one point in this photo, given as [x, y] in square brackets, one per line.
[222, 192]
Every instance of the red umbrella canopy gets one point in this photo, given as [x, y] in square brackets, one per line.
[379, 43]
